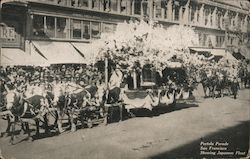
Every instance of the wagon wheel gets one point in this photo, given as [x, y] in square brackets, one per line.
[173, 105]
[83, 121]
[89, 123]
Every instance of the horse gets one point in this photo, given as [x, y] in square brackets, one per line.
[209, 83]
[34, 108]
[70, 103]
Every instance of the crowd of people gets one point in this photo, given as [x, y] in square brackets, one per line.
[21, 78]
[21, 75]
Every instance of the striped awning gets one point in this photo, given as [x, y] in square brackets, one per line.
[16, 56]
[59, 52]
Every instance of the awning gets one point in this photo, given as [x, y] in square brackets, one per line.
[87, 50]
[229, 56]
[59, 52]
[238, 55]
[218, 52]
[215, 52]
[201, 49]
[245, 51]
[15, 56]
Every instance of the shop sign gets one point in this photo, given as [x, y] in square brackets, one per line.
[7, 32]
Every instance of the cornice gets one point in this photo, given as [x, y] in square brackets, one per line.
[223, 6]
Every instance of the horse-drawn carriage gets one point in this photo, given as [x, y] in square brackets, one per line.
[51, 108]
[65, 104]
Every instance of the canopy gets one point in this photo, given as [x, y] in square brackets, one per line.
[15, 56]
[87, 50]
[201, 49]
[59, 52]
[238, 55]
[215, 52]
[245, 51]
[218, 52]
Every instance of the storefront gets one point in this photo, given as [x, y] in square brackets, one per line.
[48, 34]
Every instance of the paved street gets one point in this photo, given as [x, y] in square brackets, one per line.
[171, 134]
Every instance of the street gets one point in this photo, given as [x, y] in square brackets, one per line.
[173, 134]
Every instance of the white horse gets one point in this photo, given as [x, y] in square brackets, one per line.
[20, 108]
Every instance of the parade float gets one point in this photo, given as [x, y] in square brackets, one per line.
[154, 61]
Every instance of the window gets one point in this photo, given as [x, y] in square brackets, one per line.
[74, 3]
[137, 7]
[205, 40]
[96, 4]
[61, 28]
[75, 29]
[108, 28]
[83, 3]
[124, 8]
[113, 5]
[50, 26]
[200, 39]
[85, 30]
[206, 16]
[219, 16]
[66, 28]
[51, 1]
[158, 8]
[176, 10]
[62, 2]
[38, 26]
[95, 29]
[145, 8]
[193, 10]
[148, 73]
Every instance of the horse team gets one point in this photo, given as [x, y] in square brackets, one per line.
[64, 100]
[49, 104]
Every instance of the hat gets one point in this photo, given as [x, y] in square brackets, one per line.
[117, 67]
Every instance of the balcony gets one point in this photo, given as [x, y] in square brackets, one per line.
[168, 12]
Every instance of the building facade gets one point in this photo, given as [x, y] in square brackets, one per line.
[75, 23]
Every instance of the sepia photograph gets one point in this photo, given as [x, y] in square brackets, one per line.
[124, 79]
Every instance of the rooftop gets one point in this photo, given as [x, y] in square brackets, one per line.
[243, 4]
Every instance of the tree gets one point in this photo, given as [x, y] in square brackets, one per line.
[147, 43]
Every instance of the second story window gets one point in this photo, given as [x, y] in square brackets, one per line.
[148, 73]
[50, 26]
[85, 30]
[83, 3]
[76, 29]
[96, 4]
[38, 26]
[61, 28]
[145, 8]
[193, 12]
[108, 28]
[137, 7]
[176, 11]
[62, 2]
[125, 7]
[95, 29]
[114, 5]
[64, 28]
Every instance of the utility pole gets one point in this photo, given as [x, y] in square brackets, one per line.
[0, 37]
[226, 32]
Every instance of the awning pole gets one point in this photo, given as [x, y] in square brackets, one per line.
[0, 37]
[106, 72]
[0, 53]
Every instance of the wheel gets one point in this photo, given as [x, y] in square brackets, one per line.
[89, 123]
